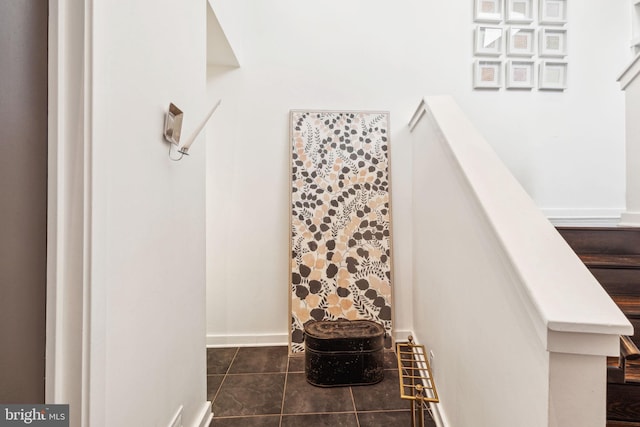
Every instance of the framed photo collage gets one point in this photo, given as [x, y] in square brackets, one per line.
[520, 44]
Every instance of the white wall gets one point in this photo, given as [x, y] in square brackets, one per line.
[565, 148]
[147, 227]
[633, 146]
[630, 83]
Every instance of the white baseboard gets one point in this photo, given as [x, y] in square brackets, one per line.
[264, 340]
[176, 421]
[402, 334]
[630, 219]
[583, 217]
[247, 340]
[439, 415]
[205, 416]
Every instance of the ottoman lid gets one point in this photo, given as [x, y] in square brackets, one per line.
[344, 335]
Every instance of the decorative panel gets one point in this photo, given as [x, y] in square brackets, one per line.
[340, 223]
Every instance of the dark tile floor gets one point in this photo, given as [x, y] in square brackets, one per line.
[263, 387]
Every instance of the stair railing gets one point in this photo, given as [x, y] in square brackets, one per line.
[518, 328]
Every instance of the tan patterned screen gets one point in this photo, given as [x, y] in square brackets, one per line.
[340, 222]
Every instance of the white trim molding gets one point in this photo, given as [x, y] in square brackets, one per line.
[437, 411]
[176, 421]
[248, 340]
[264, 340]
[583, 217]
[205, 416]
[67, 351]
[630, 73]
[630, 219]
[402, 334]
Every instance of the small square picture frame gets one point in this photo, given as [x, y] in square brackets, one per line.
[489, 40]
[553, 12]
[488, 11]
[520, 74]
[519, 11]
[553, 42]
[521, 41]
[552, 75]
[487, 74]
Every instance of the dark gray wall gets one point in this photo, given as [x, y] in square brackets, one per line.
[23, 199]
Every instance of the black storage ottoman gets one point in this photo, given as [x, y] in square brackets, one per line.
[344, 352]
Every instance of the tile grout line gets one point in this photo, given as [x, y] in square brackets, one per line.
[215, 396]
[224, 378]
[355, 409]
[233, 359]
[299, 414]
[239, 374]
[284, 390]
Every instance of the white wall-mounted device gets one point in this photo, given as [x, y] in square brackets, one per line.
[173, 127]
[173, 124]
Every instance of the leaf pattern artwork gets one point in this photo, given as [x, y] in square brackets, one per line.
[340, 219]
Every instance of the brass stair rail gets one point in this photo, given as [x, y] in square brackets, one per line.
[416, 379]
[628, 349]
